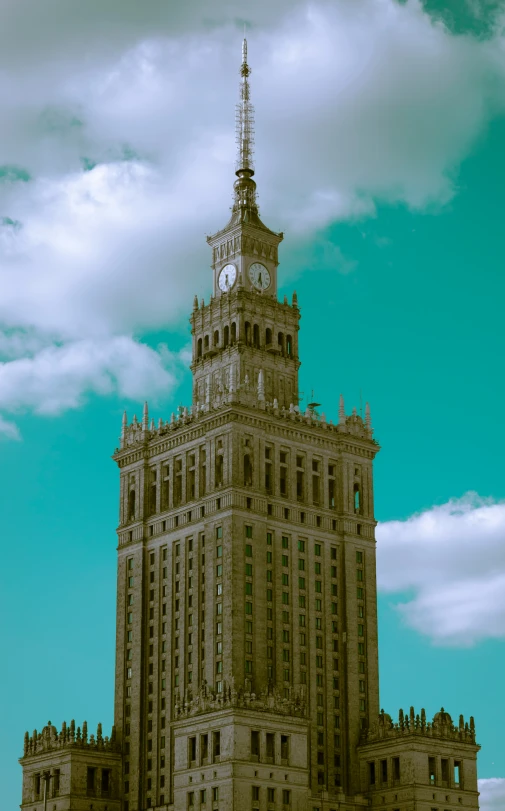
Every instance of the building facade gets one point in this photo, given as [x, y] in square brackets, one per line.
[247, 646]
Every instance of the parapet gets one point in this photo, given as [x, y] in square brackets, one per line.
[207, 700]
[414, 724]
[50, 739]
[249, 396]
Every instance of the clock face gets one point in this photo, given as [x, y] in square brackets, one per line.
[227, 278]
[259, 276]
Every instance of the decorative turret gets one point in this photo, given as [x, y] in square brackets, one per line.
[440, 727]
[50, 739]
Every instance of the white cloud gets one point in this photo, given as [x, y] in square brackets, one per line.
[492, 794]
[59, 377]
[8, 430]
[450, 560]
[356, 102]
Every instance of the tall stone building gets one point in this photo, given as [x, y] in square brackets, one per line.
[246, 648]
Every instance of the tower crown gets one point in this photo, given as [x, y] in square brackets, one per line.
[245, 252]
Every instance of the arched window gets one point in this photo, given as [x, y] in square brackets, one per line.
[199, 349]
[289, 345]
[247, 332]
[216, 337]
[131, 505]
[280, 342]
[357, 498]
[226, 336]
[256, 336]
[206, 343]
[247, 471]
[233, 332]
[268, 336]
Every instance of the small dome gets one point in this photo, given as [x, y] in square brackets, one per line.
[442, 717]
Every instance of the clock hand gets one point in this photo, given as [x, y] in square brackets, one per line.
[259, 278]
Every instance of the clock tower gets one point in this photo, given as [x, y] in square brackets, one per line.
[246, 638]
[245, 337]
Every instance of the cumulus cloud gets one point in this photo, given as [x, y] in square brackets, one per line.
[119, 142]
[450, 561]
[492, 794]
[59, 377]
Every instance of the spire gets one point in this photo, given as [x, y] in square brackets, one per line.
[261, 385]
[245, 188]
[145, 417]
[341, 411]
[368, 418]
[124, 426]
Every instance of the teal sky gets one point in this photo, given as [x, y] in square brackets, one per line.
[402, 306]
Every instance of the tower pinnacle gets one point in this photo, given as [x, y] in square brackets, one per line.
[245, 188]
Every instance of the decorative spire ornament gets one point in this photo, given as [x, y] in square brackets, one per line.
[261, 385]
[368, 418]
[341, 411]
[145, 417]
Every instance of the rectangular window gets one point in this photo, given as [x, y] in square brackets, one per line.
[285, 580]
[384, 771]
[285, 542]
[359, 557]
[319, 586]
[396, 768]
[444, 763]
[371, 773]
[219, 532]
[301, 583]
[248, 551]
[269, 539]
[192, 749]
[286, 796]
[255, 793]
[248, 531]
[317, 549]
[457, 774]
[431, 770]
[271, 795]
[90, 779]
[285, 597]
[255, 743]
[215, 794]
[216, 744]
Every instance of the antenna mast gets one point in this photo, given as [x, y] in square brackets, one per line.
[245, 205]
[245, 119]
